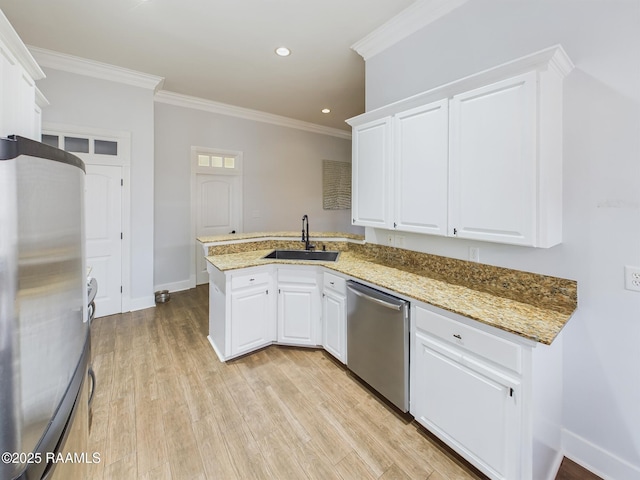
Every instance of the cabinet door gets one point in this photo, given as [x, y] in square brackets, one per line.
[334, 313]
[493, 162]
[468, 405]
[421, 139]
[251, 319]
[298, 313]
[371, 170]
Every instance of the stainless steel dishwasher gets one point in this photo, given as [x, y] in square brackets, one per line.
[378, 341]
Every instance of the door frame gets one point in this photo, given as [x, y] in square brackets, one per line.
[197, 170]
[123, 160]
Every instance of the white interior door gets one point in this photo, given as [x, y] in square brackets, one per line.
[218, 212]
[103, 225]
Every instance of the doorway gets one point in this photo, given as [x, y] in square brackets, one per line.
[216, 193]
[107, 205]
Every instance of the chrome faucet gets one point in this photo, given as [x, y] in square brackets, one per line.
[305, 236]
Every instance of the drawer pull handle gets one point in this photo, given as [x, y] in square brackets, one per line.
[459, 337]
[251, 279]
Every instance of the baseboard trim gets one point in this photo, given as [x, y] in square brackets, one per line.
[215, 349]
[141, 303]
[557, 463]
[596, 459]
[175, 286]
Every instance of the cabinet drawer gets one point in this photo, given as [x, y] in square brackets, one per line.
[468, 338]
[249, 280]
[335, 283]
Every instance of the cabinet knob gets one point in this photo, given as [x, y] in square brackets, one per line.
[251, 279]
[459, 337]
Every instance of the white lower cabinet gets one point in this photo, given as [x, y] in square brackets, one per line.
[493, 397]
[251, 315]
[298, 306]
[465, 398]
[334, 316]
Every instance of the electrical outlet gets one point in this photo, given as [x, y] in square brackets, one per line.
[632, 278]
[474, 254]
[390, 239]
[399, 241]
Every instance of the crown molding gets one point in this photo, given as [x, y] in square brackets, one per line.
[553, 58]
[91, 68]
[410, 20]
[10, 38]
[41, 100]
[186, 101]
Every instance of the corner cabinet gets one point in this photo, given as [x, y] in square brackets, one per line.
[251, 308]
[479, 158]
[299, 307]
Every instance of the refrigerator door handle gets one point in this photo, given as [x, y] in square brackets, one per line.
[92, 376]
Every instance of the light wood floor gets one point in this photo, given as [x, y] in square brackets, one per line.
[166, 408]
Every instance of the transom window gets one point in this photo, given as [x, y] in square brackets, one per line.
[216, 161]
[81, 144]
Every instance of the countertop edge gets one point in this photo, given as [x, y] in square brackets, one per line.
[555, 324]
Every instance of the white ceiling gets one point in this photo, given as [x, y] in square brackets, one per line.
[222, 50]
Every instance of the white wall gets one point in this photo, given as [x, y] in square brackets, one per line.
[601, 191]
[282, 180]
[84, 101]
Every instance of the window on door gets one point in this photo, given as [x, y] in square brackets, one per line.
[218, 163]
[75, 144]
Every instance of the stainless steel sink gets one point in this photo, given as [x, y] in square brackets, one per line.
[303, 255]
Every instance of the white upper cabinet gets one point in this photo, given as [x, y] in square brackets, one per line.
[421, 163]
[478, 158]
[20, 103]
[371, 167]
[492, 181]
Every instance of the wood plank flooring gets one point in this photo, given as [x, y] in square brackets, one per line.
[166, 408]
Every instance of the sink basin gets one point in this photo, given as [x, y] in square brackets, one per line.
[303, 255]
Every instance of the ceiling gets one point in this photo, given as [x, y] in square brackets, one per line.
[222, 50]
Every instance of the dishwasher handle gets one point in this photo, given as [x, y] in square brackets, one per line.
[392, 306]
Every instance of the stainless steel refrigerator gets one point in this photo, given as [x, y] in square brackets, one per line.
[44, 324]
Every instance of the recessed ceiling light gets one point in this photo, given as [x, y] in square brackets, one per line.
[326, 110]
[283, 51]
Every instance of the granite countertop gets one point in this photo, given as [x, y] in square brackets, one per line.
[540, 320]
